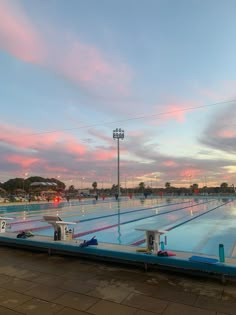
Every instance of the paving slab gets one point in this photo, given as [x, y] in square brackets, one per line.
[147, 303]
[110, 308]
[3, 279]
[7, 311]
[75, 300]
[26, 274]
[35, 283]
[70, 311]
[217, 305]
[44, 292]
[181, 309]
[39, 307]
[18, 285]
[112, 290]
[12, 299]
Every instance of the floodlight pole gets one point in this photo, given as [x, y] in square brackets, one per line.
[118, 134]
[25, 177]
[118, 166]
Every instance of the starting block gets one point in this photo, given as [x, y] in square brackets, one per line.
[152, 238]
[3, 224]
[60, 227]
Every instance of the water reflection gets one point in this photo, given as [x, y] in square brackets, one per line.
[118, 222]
[225, 200]
[142, 201]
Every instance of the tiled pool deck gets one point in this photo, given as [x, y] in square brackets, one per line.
[35, 283]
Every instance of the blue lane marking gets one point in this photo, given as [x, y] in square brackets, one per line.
[197, 216]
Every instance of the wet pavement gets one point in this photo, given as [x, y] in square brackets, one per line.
[35, 283]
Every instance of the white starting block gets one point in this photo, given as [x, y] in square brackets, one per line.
[60, 227]
[152, 238]
[3, 224]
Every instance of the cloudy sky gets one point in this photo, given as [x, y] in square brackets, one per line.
[162, 70]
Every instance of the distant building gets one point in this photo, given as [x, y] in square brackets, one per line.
[42, 186]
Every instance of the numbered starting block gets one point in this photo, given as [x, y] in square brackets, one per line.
[152, 238]
[3, 224]
[60, 227]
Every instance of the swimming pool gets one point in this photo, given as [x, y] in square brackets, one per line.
[196, 225]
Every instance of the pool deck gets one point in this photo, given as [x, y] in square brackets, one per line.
[34, 283]
[124, 254]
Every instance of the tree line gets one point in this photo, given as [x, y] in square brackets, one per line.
[24, 185]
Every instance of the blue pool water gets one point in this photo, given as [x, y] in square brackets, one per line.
[193, 225]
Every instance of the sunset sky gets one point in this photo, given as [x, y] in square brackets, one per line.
[162, 70]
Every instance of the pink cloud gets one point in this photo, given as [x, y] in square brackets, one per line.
[22, 140]
[86, 64]
[191, 173]
[81, 63]
[55, 169]
[169, 163]
[26, 140]
[17, 35]
[227, 133]
[104, 155]
[34, 150]
[74, 147]
[23, 161]
[101, 136]
[173, 110]
[226, 177]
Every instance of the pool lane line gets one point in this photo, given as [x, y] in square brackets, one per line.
[123, 223]
[49, 209]
[45, 212]
[210, 233]
[182, 223]
[105, 216]
[39, 228]
[201, 214]
[50, 206]
[115, 214]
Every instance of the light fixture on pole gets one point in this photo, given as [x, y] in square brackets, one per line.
[118, 134]
[24, 178]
